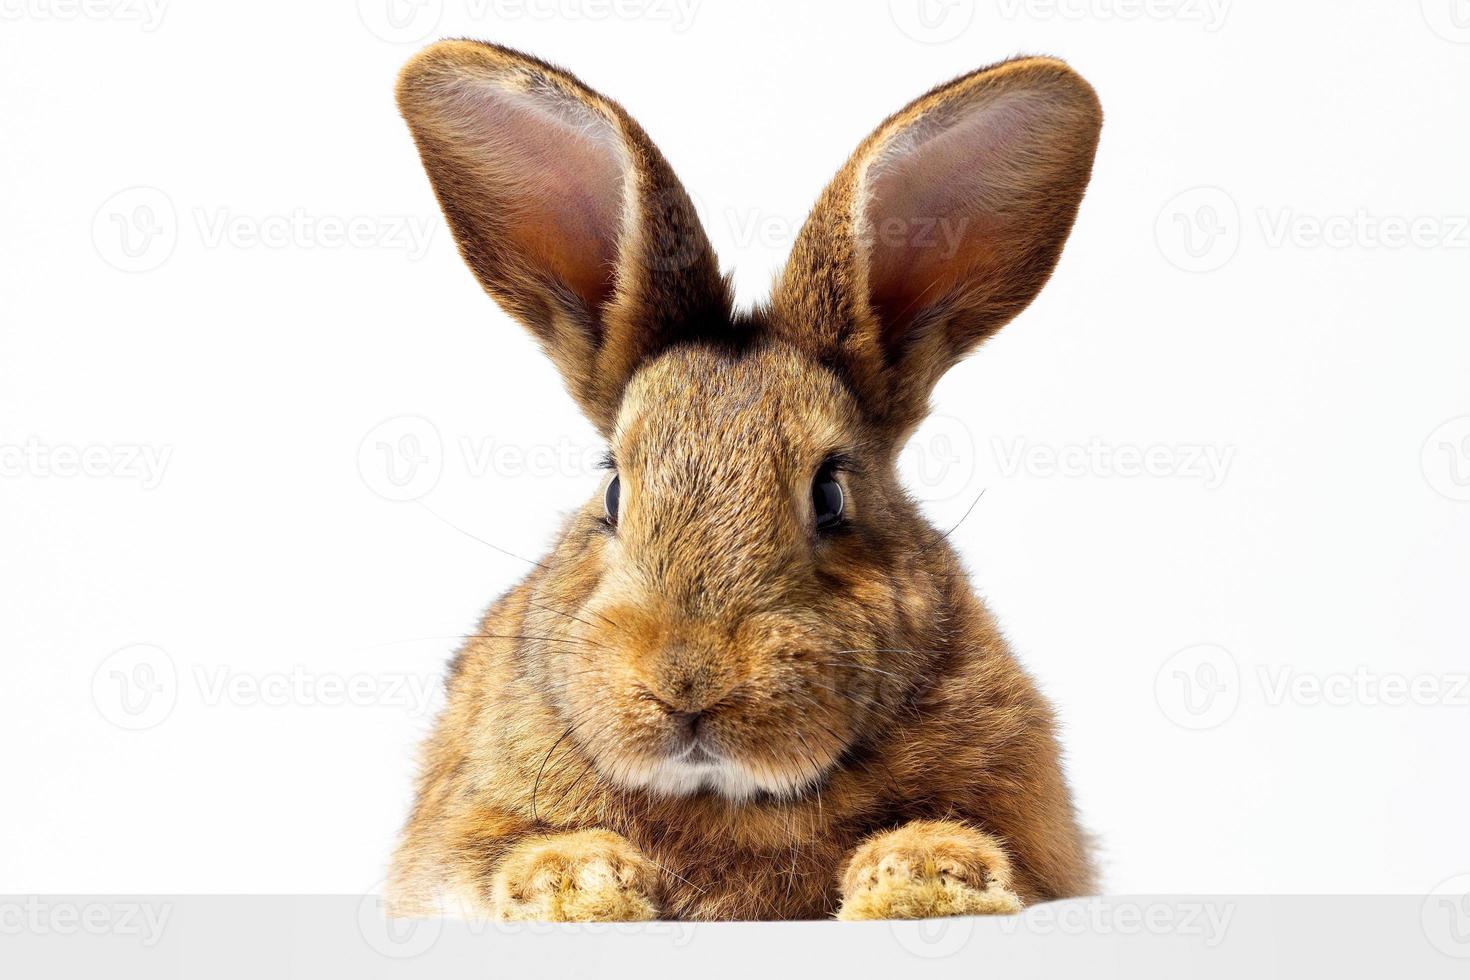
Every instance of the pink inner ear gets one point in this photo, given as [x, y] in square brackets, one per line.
[558, 173]
[948, 201]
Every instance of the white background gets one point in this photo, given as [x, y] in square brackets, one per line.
[217, 664]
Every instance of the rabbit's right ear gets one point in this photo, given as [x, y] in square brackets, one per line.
[566, 212]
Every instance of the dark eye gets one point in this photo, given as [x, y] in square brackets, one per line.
[610, 499]
[827, 499]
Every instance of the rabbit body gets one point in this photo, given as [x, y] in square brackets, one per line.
[749, 681]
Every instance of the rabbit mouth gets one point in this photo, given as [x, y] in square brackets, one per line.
[698, 767]
[698, 755]
[691, 771]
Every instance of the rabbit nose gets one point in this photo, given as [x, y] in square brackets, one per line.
[684, 682]
[688, 723]
[687, 707]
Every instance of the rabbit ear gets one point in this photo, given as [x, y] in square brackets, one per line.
[566, 212]
[944, 225]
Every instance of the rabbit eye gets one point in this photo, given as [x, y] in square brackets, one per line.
[827, 498]
[610, 499]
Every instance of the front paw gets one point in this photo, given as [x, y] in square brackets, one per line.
[586, 876]
[927, 869]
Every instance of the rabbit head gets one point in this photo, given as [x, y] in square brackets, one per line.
[750, 590]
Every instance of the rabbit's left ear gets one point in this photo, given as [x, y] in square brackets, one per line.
[943, 226]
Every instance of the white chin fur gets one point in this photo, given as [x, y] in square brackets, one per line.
[676, 777]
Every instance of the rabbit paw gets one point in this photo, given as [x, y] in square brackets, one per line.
[927, 869]
[585, 876]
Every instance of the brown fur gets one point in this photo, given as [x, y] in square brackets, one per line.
[887, 755]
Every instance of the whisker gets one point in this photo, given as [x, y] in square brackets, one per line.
[876, 670]
[536, 788]
[475, 537]
[966, 514]
[675, 874]
[561, 612]
[528, 636]
[573, 783]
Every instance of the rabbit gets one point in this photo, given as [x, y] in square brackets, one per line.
[749, 680]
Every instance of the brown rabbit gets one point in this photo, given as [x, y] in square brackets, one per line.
[749, 681]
